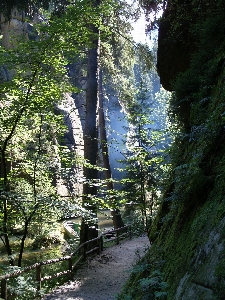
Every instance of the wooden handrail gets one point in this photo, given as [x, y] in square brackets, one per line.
[98, 247]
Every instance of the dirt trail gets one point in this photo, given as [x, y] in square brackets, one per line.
[102, 277]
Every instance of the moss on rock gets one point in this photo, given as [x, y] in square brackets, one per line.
[188, 234]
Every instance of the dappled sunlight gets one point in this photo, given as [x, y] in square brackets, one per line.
[102, 276]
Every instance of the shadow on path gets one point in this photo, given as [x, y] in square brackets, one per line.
[102, 277]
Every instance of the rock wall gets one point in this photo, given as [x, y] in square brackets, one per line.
[187, 257]
[17, 28]
[175, 41]
[191, 223]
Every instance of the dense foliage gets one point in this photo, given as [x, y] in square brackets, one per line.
[34, 157]
[34, 81]
[29, 7]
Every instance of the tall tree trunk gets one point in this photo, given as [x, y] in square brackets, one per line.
[117, 219]
[103, 137]
[4, 169]
[4, 201]
[22, 245]
[90, 138]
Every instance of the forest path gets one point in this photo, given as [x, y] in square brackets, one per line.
[102, 277]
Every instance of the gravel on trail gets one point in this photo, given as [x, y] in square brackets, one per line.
[103, 276]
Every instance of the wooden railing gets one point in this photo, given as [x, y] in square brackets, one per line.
[82, 251]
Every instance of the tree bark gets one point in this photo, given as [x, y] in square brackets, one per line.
[4, 201]
[90, 138]
[117, 219]
[103, 137]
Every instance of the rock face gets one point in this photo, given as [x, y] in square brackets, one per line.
[17, 27]
[73, 139]
[201, 281]
[187, 257]
[175, 42]
[192, 234]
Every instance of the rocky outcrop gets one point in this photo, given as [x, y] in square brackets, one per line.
[175, 41]
[73, 139]
[201, 281]
[186, 260]
[191, 228]
[16, 28]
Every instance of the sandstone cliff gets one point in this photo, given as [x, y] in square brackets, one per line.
[187, 257]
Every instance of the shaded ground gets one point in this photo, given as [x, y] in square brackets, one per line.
[102, 277]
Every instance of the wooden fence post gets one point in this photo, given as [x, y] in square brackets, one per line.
[101, 242]
[117, 237]
[99, 245]
[84, 251]
[38, 276]
[70, 267]
[4, 289]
